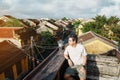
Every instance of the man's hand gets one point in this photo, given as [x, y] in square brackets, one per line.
[83, 70]
[70, 62]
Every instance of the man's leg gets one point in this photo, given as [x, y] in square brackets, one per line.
[70, 71]
[83, 73]
[68, 77]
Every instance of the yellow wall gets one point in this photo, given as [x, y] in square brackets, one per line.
[79, 30]
[97, 47]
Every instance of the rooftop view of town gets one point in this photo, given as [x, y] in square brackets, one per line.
[59, 39]
[27, 46]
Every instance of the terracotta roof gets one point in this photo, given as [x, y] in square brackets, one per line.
[7, 32]
[86, 36]
[35, 21]
[91, 35]
[26, 33]
[10, 54]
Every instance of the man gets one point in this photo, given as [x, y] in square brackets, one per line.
[76, 57]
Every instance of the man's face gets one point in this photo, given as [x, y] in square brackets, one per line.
[70, 41]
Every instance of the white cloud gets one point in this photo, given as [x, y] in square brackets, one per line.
[112, 10]
[59, 8]
[116, 1]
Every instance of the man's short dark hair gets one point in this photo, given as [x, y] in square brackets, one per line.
[74, 37]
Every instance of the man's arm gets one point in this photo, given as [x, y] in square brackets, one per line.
[84, 60]
[84, 63]
[84, 56]
[66, 56]
[68, 59]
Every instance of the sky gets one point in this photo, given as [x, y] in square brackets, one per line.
[59, 8]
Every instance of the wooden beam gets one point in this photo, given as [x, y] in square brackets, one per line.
[14, 71]
[24, 63]
[2, 76]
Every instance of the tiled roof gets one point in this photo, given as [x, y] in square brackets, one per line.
[86, 36]
[91, 35]
[10, 54]
[7, 32]
[8, 16]
[26, 33]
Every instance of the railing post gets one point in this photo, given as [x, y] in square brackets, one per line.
[32, 52]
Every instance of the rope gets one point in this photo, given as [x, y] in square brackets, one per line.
[25, 52]
[46, 47]
[37, 49]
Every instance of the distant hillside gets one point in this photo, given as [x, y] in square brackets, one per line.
[9, 21]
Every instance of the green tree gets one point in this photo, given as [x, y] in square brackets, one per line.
[64, 19]
[90, 26]
[76, 24]
[113, 20]
[100, 21]
[47, 37]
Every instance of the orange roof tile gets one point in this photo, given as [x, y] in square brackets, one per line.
[7, 32]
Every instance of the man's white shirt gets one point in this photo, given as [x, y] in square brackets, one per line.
[76, 53]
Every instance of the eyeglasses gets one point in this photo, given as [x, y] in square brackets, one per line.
[70, 40]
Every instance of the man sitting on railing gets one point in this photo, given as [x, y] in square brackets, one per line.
[76, 57]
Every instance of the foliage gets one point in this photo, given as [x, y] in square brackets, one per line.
[76, 24]
[100, 21]
[47, 37]
[116, 29]
[88, 26]
[64, 19]
[100, 24]
[12, 23]
[113, 20]
[96, 26]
